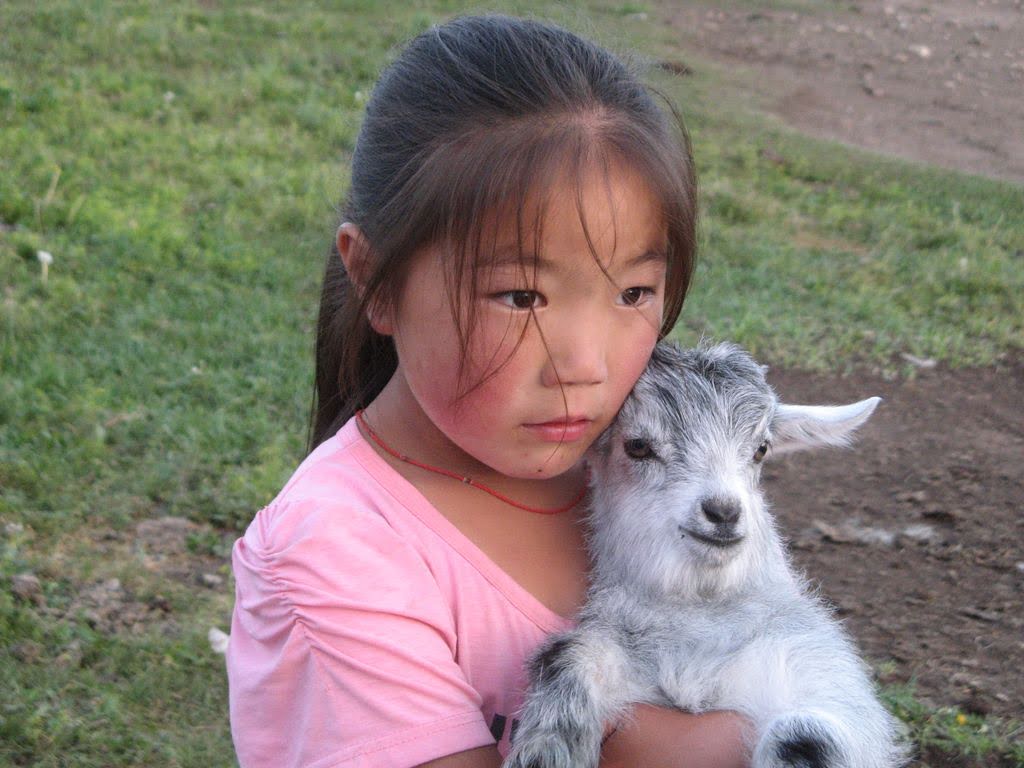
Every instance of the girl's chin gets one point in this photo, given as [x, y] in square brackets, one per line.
[547, 468]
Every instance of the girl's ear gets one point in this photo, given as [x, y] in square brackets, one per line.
[355, 252]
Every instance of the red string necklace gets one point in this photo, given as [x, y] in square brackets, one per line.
[462, 478]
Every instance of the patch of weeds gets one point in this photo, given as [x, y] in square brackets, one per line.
[629, 9]
[950, 730]
[208, 542]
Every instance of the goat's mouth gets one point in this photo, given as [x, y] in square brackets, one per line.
[722, 542]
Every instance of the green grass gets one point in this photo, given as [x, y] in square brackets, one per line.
[182, 163]
[948, 730]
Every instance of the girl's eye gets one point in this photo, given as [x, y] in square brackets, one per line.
[521, 299]
[635, 296]
[759, 454]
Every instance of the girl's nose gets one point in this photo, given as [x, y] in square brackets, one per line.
[576, 356]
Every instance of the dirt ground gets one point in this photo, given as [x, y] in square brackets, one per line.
[940, 82]
[916, 534]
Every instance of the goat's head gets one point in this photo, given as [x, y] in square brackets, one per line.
[676, 475]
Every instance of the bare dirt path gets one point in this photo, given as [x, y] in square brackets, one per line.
[940, 82]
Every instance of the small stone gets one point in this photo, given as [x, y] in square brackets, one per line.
[675, 66]
[71, 656]
[13, 529]
[854, 533]
[27, 587]
[212, 580]
[976, 613]
[27, 652]
[160, 603]
[832, 533]
[918, 362]
[921, 51]
[921, 533]
[914, 497]
[877, 536]
[218, 640]
[940, 514]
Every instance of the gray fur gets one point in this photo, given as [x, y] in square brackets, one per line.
[690, 608]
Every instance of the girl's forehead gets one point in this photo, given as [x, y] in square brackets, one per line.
[611, 212]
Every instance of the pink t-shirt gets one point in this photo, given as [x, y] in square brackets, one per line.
[367, 630]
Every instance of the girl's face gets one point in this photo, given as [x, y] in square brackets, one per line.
[585, 343]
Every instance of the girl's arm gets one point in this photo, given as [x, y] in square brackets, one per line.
[652, 738]
[483, 757]
[667, 738]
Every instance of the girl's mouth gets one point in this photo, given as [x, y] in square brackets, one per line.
[562, 430]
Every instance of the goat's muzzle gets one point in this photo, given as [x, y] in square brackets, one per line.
[723, 538]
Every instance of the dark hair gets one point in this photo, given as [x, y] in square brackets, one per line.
[473, 115]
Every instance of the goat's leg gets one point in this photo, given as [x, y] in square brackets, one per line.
[578, 682]
[804, 739]
[865, 737]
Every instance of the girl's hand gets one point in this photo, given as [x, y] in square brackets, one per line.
[666, 738]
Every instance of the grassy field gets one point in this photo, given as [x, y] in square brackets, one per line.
[182, 163]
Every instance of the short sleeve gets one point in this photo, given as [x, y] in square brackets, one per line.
[342, 648]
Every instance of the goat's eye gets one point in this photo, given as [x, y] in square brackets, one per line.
[638, 449]
[759, 454]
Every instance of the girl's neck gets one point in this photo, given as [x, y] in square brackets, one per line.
[396, 416]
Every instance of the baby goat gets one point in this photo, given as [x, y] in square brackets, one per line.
[693, 603]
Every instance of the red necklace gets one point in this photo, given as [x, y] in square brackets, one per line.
[462, 478]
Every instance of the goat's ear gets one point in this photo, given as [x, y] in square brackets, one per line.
[796, 427]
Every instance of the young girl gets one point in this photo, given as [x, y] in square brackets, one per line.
[518, 233]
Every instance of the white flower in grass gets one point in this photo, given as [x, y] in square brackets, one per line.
[45, 259]
[218, 640]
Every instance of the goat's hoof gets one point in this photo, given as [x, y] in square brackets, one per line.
[545, 750]
[805, 752]
[799, 741]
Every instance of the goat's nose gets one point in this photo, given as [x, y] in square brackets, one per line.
[721, 511]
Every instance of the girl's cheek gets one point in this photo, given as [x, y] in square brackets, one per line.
[635, 357]
[495, 341]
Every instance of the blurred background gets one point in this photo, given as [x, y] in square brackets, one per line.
[169, 175]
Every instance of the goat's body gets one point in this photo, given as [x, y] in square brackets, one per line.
[767, 656]
[722, 626]
[775, 655]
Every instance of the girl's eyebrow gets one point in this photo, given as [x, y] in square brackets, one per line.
[510, 256]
